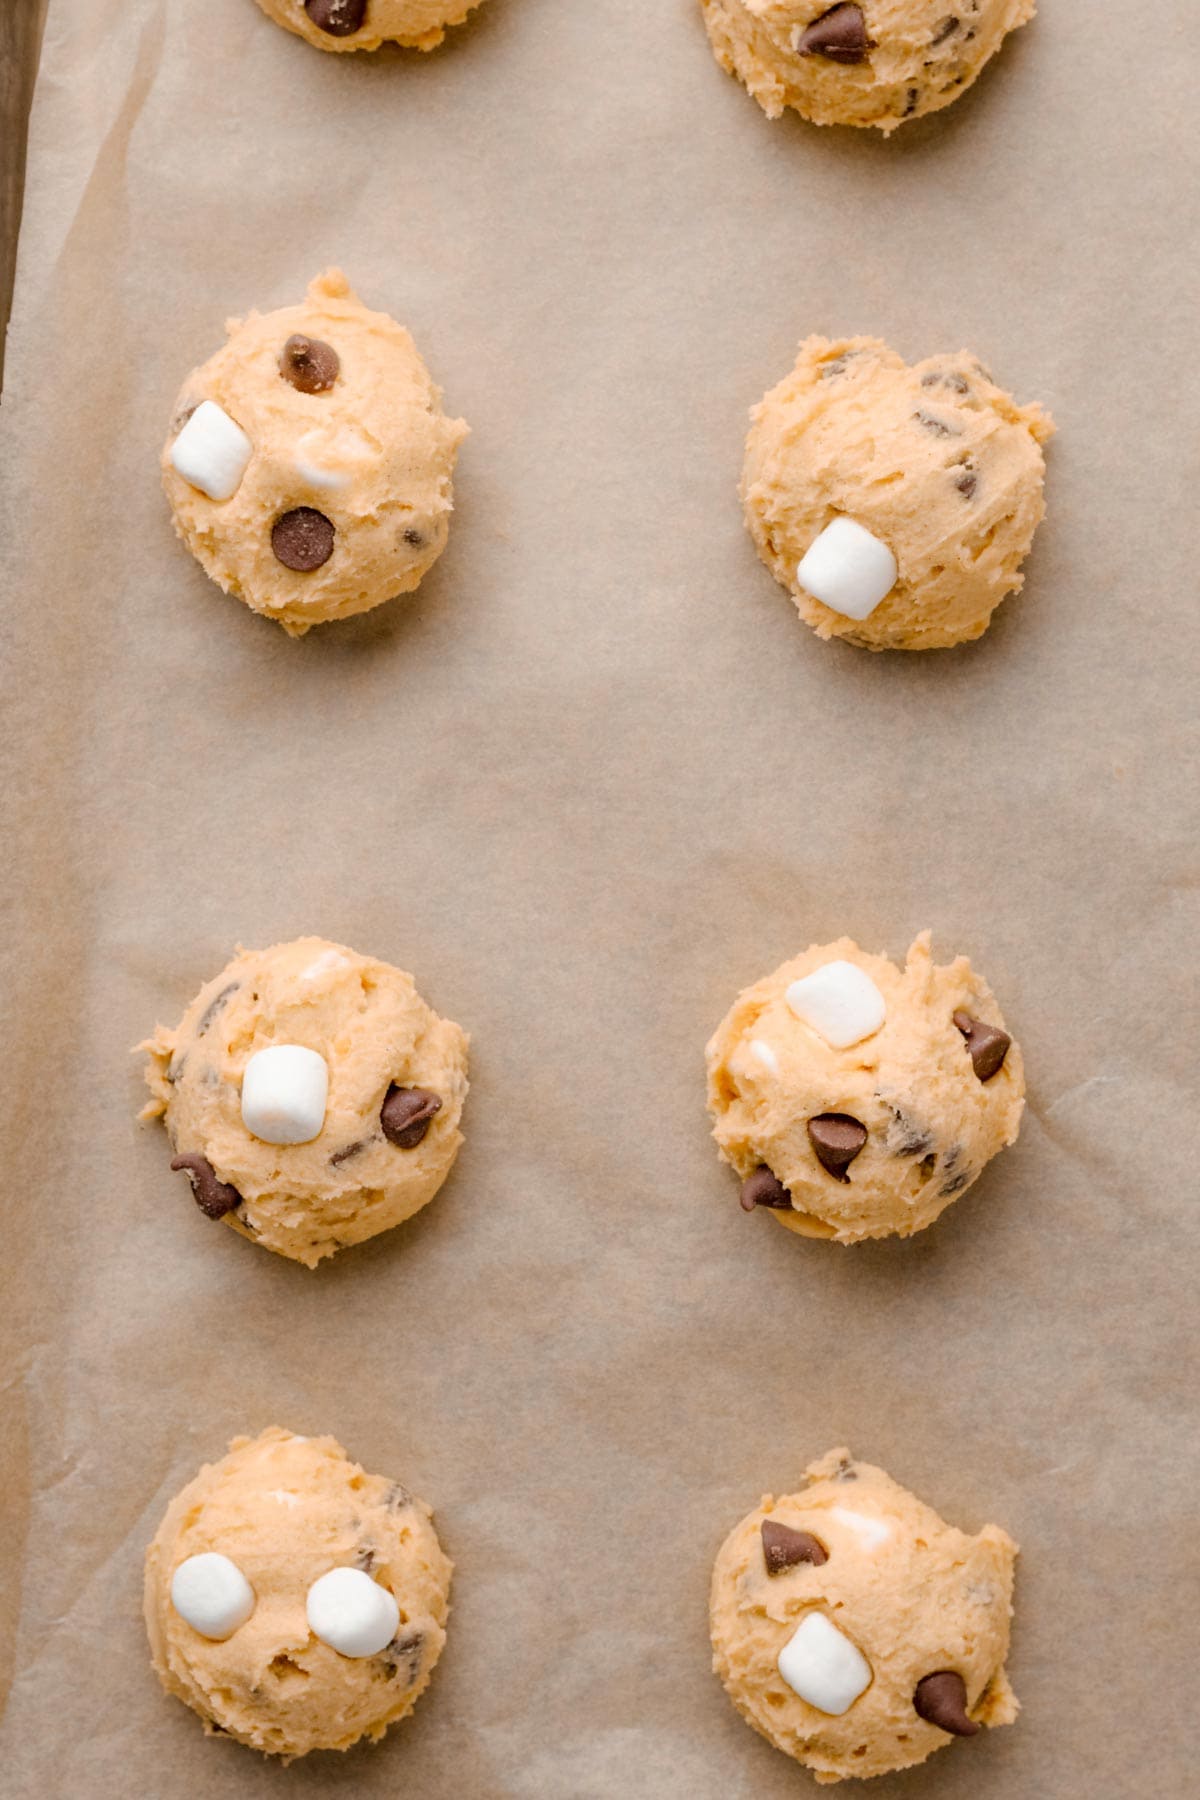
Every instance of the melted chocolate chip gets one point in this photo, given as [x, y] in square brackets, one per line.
[837, 367]
[341, 1156]
[910, 107]
[406, 1113]
[310, 364]
[845, 1471]
[214, 1198]
[302, 539]
[784, 1547]
[397, 1497]
[839, 34]
[956, 1183]
[947, 28]
[966, 481]
[215, 1006]
[365, 1560]
[987, 1044]
[958, 384]
[762, 1189]
[941, 1699]
[904, 1136]
[337, 18]
[412, 536]
[836, 1139]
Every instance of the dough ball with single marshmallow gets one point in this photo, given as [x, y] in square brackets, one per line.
[311, 1097]
[365, 24]
[855, 1629]
[895, 504]
[856, 1099]
[294, 1601]
[876, 63]
[309, 462]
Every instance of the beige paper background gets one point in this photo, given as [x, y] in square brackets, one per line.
[590, 781]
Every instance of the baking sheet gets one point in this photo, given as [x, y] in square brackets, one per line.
[589, 782]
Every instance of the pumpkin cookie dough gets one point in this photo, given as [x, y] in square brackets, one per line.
[878, 63]
[294, 1601]
[309, 462]
[365, 24]
[855, 1629]
[895, 504]
[311, 1097]
[857, 1100]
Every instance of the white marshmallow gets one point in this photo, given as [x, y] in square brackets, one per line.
[284, 1090]
[212, 1594]
[211, 452]
[351, 1613]
[325, 964]
[763, 1053]
[848, 568]
[840, 1002]
[823, 1666]
[870, 1532]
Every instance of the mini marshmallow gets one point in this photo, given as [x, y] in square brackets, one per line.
[840, 1002]
[351, 1613]
[848, 568]
[869, 1531]
[212, 1594]
[763, 1053]
[284, 1090]
[823, 1666]
[211, 452]
[325, 964]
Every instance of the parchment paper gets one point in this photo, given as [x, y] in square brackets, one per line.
[593, 779]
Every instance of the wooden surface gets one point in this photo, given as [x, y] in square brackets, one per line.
[20, 35]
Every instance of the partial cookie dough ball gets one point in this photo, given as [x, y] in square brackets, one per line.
[895, 504]
[309, 462]
[365, 24]
[855, 1629]
[857, 1100]
[878, 63]
[294, 1601]
[311, 1096]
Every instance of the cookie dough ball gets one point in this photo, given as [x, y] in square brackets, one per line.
[856, 1099]
[294, 1601]
[309, 461]
[311, 1097]
[855, 1629]
[895, 504]
[365, 24]
[878, 63]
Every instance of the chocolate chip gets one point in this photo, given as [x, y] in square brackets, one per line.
[839, 34]
[904, 1136]
[837, 367]
[836, 1139]
[845, 1470]
[941, 1699]
[956, 1183]
[214, 1198]
[309, 364]
[946, 378]
[939, 427]
[406, 1649]
[914, 94]
[412, 536]
[337, 18]
[784, 1547]
[762, 1189]
[397, 1497]
[175, 1069]
[947, 28]
[302, 539]
[966, 482]
[365, 1560]
[341, 1156]
[214, 1007]
[405, 1115]
[987, 1044]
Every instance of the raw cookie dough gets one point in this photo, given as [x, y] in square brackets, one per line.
[342, 495]
[365, 24]
[935, 461]
[878, 63]
[877, 1137]
[286, 1510]
[911, 1595]
[385, 1050]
